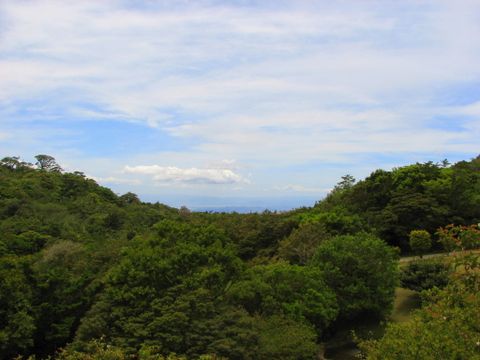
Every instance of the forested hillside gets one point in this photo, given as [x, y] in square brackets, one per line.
[392, 203]
[82, 267]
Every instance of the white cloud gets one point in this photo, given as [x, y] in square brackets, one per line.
[225, 164]
[112, 180]
[172, 174]
[472, 109]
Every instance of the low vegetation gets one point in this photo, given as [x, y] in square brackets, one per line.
[448, 325]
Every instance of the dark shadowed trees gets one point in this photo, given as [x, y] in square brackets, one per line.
[47, 163]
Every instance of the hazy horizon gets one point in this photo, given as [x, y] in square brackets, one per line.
[239, 204]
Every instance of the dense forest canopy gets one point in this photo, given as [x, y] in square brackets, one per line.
[81, 266]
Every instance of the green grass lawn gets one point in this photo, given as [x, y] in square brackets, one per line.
[342, 347]
[406, 301]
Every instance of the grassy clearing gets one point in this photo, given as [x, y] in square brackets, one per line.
[406, 259]
[342, 347]
[406, 301]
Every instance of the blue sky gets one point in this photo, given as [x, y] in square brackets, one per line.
[207, 103]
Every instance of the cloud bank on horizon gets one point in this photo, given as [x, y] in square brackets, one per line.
[254, 98]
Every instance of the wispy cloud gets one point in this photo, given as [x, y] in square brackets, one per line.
[472, 109]
[112, 180]
[269, 84]
[172, 174]
[4, 136]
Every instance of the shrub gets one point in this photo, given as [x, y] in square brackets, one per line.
[362, 270]
[424, 275]
[420, 241]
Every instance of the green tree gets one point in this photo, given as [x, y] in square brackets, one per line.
[98, 349]
[166, 292]
[298, 292]
[27, 242]
[282, 338]
[299, 247]
[447, 327]
[14, 163]
[346, 183]
[62, 274]
[17, 322]
[47, 163]
[459, 237]
[129, 198]
[362, 271]
[425, 274]
[420, 241]
[465, 192]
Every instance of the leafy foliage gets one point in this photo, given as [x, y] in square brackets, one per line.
[47, 163]
[362, 271]
[447, 327]
[301, 244]
[99, 349]
[420, 241]
[421, 196]
[285, 339]
[459, 237]
[295, 291]
[425, 274]
[16, 310]
[165, 292]
[106, 276]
